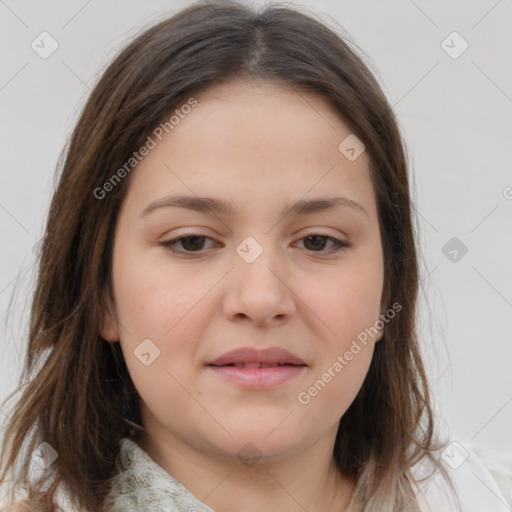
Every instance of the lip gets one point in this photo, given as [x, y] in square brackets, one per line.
[243, 367]
[267, 356]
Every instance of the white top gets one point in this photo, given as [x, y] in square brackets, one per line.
[478, 489]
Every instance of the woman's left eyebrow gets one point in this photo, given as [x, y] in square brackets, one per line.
[220, 207]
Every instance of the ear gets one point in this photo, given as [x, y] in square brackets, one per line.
[109, 329]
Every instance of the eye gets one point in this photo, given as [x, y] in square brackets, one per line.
[194, 244]
[317, 241]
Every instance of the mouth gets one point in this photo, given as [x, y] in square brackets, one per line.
[246, 356]
[257, 369]
[254, 365]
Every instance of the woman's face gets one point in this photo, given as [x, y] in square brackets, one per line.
[254, 274]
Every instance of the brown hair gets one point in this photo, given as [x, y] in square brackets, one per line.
[76, 393]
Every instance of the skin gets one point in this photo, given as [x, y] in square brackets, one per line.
[259, 146]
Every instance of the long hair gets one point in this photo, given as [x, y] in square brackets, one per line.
[76, 394]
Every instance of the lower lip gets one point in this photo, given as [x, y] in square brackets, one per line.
[258, 378]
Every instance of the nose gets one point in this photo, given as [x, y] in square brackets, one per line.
[259, 291]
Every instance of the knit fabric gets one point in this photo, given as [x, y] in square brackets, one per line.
[144, 485]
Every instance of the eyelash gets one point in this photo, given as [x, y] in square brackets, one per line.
[169, 244]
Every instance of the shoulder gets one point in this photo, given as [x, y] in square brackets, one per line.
[499, 465]
[479, 485]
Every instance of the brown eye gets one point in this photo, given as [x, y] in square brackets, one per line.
[189, 243]
[316, 242]
[192, 243]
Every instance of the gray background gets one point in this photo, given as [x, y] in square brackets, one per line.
[455, 114]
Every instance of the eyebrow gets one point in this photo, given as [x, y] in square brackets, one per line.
[217, 206]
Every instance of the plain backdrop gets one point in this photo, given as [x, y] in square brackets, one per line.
[454, 106]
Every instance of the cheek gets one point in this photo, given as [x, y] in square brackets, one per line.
[170, 308]
[346, 307]
[153, 299]
[330, 395]
[345, 303]
[343, 359]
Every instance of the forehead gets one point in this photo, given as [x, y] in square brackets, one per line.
[288, 105]
[254, 141]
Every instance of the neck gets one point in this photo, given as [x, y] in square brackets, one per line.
[309, 480]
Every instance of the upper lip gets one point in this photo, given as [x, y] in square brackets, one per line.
[272, 355]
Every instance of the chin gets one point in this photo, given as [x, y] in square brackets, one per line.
[265, 441]
[249, 451]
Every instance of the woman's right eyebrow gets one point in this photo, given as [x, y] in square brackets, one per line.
[220, 207]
